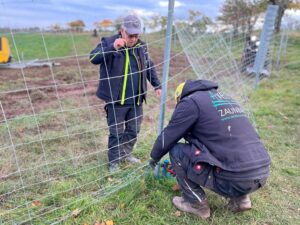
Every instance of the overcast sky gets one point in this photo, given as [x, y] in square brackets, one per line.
[28, 13]
[43, 13]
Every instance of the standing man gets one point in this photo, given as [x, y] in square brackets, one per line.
[222, 151]
[125, 67]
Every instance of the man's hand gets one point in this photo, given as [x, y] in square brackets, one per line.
[119, 43]
[158, 92]
[153, 163]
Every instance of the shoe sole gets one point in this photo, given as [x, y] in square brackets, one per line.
[194, 214]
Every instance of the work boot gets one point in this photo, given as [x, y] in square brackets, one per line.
[133, 160]
[113, 167]
[240, 204]
[200, 209]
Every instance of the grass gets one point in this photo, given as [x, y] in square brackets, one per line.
[76, 163]
[276, 109]
[32, 46]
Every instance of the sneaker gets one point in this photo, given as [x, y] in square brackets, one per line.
[239, 204]
[200, 209]
[133, 160]
[113, 167]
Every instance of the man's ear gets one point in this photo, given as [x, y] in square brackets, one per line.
[122, 31]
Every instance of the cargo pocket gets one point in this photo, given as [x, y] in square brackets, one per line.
[199, 173]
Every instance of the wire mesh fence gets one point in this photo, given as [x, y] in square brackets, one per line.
[54, 132]
[53, 129]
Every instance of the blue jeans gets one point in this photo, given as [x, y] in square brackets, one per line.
[192, 177]
[124, 123]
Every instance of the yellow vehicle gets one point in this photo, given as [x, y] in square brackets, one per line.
[4, 51]
[6, 59]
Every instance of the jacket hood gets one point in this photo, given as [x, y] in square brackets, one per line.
[192, 86]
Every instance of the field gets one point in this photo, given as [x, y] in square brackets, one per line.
[53, 138]
[53, 129]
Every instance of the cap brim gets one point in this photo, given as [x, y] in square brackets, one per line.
[133, 31]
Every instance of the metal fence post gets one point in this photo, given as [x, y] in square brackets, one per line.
[265, 37]
[166, 61]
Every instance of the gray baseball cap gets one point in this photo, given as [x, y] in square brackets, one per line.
[132, 24]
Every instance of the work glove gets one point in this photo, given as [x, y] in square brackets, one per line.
[153, 163]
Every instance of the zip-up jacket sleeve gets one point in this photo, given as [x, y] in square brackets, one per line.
[184, 117]
[152, 75]
[97, 55]
[151, 72]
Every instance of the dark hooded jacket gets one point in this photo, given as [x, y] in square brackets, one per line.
[216, 125]
[112, 68]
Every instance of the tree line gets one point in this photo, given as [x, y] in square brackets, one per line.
[239, 14]
[243, 14]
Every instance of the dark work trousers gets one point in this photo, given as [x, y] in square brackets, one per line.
[191, 176]
[124, 123]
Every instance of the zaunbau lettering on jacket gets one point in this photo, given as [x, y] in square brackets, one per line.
[230, 111]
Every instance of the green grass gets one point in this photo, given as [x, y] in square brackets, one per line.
[32, 46]
[292, 49]
[276, 109]
[77, 183]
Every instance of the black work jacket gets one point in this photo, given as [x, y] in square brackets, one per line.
[216, 125]
[112, 69]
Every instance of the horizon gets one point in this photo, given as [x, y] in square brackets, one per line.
[27, 13]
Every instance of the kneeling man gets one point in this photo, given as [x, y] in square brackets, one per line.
[222, 151]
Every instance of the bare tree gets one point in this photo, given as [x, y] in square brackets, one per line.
[241, 14]
[283, 5]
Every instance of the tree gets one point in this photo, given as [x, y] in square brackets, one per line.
[55, 27]
[154, 21]
[283, 5]
[77, 25]
[118, 23]
[157, 20]
[294, 5]
[194, 15]
[198, 21]
[163, 22]
[103, 24]
[241, 14]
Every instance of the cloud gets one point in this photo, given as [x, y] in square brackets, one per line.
[292, 12]
[143, 13]
[24, 13]
[166, 3]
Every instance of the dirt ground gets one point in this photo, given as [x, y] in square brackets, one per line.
[40, 88]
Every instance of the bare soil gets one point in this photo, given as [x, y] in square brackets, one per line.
[40, 88]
